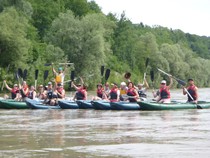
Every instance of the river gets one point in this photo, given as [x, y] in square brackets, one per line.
[92, 133]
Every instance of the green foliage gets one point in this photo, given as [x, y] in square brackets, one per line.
[35, 32]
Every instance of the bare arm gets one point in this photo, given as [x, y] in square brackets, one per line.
[5, 83]
[53, 69]
[146, 84]
[77, 88]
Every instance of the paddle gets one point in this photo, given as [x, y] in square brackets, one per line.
[146, 65]
[152, 77]
[46, 72]
[181, 82]
[36, 77]
[20, 73]
[48, 64]
[107, 74]
[102, 70]
[25, 72]
[72, 75]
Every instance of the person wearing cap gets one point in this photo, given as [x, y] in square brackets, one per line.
[123, 90]
[32, 93]
[101, 95]
[132, 93]
[60, 91]
[14, 91]
[193, 91]
[142, 90]
[114, 93]
[60, 75]
[165, 95]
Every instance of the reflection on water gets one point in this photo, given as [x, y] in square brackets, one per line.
[91, 133]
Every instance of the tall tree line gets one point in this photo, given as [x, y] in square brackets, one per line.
[35, 32]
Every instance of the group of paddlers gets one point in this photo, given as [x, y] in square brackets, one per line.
[125, 92]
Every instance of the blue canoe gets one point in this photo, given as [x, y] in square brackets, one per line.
[122, 105]
[84, 104]
[66, 104]
[34, 104]
[101, 105]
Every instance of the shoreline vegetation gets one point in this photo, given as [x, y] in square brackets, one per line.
[36, 32]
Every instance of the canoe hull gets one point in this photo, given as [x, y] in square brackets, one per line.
[101, 105]
[124, 106]
[64, 104]
[33, 104]
[12, 104]
[84, 104]
[172, 106]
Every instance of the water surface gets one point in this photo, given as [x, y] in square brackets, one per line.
[92, 133]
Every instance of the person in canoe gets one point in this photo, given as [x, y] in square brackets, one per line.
[50, 95]
[24, 90]
[60, 75]
[165, 95]
[101, 95]
[132, 93]
[107, 88]
[193, 91]
[14, 91]
[40, 94]
[114, 93]
[81, 91]
[142, 89]
[123, 91]
[60, 91]
[32, 93]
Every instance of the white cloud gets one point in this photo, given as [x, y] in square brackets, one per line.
[188, 15]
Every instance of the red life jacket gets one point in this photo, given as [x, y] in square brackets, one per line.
[80, 94]
[113, 94]
[165, 93]
[14, 93]
[99, 93]
[60, 90]
[191, 90]
[131, 92]
[22, 92]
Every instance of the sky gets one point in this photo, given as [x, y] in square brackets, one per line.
[190, 16]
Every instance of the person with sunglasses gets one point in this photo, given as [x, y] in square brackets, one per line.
[165, 95]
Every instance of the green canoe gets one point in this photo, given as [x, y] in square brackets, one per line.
[172, 106]
[12, 104]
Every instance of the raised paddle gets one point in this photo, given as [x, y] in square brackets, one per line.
[152, 77]
[107, 74]
[25, 72]
[102, 70]
[72, 75]
[20, 73]
[146, 65]
[36, 77]
[181, 82]
[46, 72]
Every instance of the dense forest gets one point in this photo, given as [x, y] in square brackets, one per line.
[35, 32]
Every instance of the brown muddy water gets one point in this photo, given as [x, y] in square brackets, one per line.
[111, 134]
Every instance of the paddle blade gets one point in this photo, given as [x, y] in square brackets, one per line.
[36, 74]
[47, 64]
[147, 62]
[46, 72]
[25, 72]
[152, 75]
[20, 72]
[107, 74]
[183, 83]
[102, 70]
[72, 75]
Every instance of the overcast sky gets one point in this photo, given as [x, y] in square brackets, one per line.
[190, 16]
